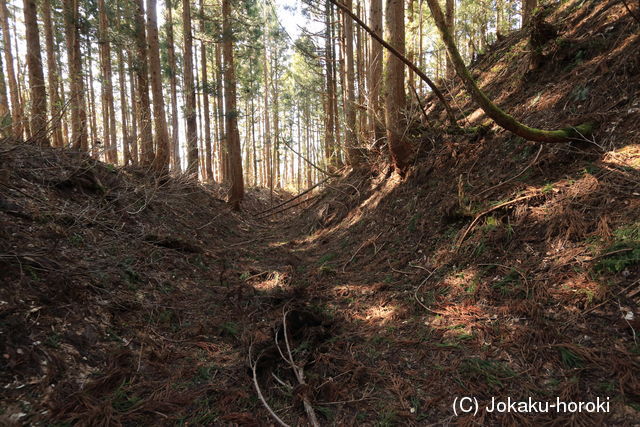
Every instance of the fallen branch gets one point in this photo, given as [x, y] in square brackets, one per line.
[318, 168]
[287, 208]
[253, 366]
[299, 373]
[365, 243]
[415, 294]
[480, 215]
[401, 57]
[499, 116]
[293, 198]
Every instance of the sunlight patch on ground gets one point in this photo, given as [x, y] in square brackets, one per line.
[476, 116]
[380, 314]
[356, 213]
[391, 184]
[626, 157]
[274, 281]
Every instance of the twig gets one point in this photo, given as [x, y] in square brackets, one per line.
[287, 386]
[415, 294]
[609, 299]
[365, 243]
[514, 177]
[422, 109]
[331, 175]
[293, 198]
[611, 253]
[257, 386]
[299, 373]
[287, 208]
[636, 17]
[480, 215]
[365, 396]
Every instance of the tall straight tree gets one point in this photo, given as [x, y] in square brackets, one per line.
[126, 142]
[528, 6]
[161, 160]
[5, 112]
[330, 110]
[135, 116]
[173, 84]
[79, 139]
[53, 76]
[16, 106]
[276, 118]
[37, 86]
[142, 77]
[374, 75]
[222, 152]
[208, 172]
[395, 99]
[91, 105]
[108, 109]
[360, 74]
[351, 136]
[267, 121]
[236, 192]
[450, 17]
[190, 91]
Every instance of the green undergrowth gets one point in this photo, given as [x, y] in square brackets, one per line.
[623, 252]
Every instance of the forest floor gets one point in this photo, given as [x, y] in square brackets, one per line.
[495, 268]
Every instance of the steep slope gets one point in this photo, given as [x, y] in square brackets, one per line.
[498, 267]
[120, 291]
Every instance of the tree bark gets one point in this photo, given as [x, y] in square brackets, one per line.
[222, 154]
[276, 123]
[450, 17]
[330, 113]
[161, 160]
[5, 112]
[528, 6]
[53, 75]
[37, 86]
[351, 135]
[91, 105]
[395, 99]
[267, 121]
[493, 111]
[79, 139]
[190, 91]
[236, 192]
[205, 100]
[126, 149]
[173, 84]
[108, 109]
[376, 131]
[360, 80]
[142, 77]
[16, 107]
[135, 116]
